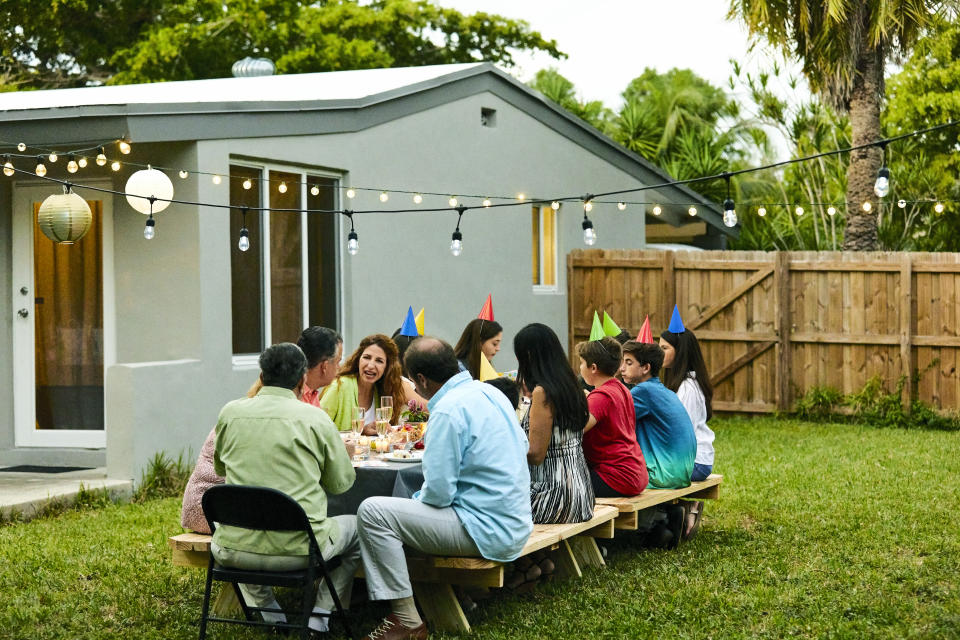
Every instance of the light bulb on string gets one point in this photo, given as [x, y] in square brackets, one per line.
[41, 169]
[21, 147]
[882, 186]
[456, 240]
[115, 165]
[150, 228]
[453, 202]
[555, 205]
[729, 213]
[938, 207]
[72, 165]
[762, 211]
[53, 157]
[124, 147]
[486, 202]
[622, 206]
[8, 169]
[82, 162]
[417, 198]
[314, 190]
[692, 211]
[866, 206]
[384, 196]
[282, 187]
[657, 210]
[101, 157]
[247, 184]
[521, 196]
[184, 174]
[831, 211]
[588, 206]
[798, 210]
[351, 194]
[902, 204]
[244, 242]
[216, 179]
[353, 243]
[589, 233]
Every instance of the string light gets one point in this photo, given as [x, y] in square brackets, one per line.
[247, 184]
[486, 202]
[762, 211]
[184, 174]
[456, 240]
[314, 190]
[866, 206]
[622, 206]
[115, 165]
[729, 209]
[938, 207]
[798, 210]
[101, 157]
[882, 186]
[21, 147]
[589, 233]
[353, 241]
[72, 165]
[216, 179]
[692, 211]
[244, 242]
[521, 196]
[124, 147]
[351, 194]
[902, 204]
[453, 202]
[53, 157]
[8, 169]
[417, 198]
[384, 196]
[150, 228]
[41, 169]
[657, 210]
[282, 188]
[831, 210]
[555, 205]
[82, 162]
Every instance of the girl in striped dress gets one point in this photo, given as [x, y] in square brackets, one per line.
[560, 488]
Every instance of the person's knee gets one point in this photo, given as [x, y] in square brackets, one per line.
[370, 514]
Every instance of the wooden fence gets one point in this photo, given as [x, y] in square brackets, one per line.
[774, 324]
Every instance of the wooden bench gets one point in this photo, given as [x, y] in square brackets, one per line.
[433, 577]
[708, 489]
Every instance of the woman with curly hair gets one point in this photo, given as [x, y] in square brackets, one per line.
[372, 371]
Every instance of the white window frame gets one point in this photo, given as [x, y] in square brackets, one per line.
[246, 361]
[549, 289]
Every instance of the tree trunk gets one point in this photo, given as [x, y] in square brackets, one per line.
[860, 233]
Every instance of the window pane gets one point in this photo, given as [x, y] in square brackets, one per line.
[535, 250]
[286, 261]
[322, 253]
[246, 283]
[549, 257]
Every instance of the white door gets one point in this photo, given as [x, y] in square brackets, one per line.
[62, 325]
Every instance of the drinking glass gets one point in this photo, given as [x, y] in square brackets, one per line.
[386, 402]
[383, 421]
[356, 423]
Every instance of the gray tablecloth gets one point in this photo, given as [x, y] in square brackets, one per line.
[398, 479]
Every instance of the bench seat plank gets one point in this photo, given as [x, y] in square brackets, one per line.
[653, 497]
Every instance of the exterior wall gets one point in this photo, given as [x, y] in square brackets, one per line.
[6, 318]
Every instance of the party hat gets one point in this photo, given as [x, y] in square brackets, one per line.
[596, 331]
[487, 312]
[646, 335]
[409, 327]
[676, 324]
[610, 327]
[487, 372]
[419, 321]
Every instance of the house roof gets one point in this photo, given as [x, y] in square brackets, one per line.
[290, 104]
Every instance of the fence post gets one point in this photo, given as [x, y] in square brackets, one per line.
[906, 330]
[782, 276]
[669, 287]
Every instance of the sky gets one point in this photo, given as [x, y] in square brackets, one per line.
[610, 42]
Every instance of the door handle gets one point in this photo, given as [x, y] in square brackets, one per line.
[23, 313]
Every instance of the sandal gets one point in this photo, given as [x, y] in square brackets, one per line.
[692, 520]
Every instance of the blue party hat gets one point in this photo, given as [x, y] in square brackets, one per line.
[409, 325]
[676, 324]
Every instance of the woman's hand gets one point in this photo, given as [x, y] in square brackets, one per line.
[370, 429]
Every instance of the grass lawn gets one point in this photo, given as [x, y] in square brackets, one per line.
[820, 531]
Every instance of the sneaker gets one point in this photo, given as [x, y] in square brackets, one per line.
[392, 629]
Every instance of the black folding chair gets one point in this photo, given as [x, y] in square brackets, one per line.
[263, 509]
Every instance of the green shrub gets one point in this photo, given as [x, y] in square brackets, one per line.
[875, 406]
[819, 404]
[163, 478]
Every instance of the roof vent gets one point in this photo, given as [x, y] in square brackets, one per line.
[250, 67]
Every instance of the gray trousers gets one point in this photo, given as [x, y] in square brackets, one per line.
[387, 524]
[346, 546]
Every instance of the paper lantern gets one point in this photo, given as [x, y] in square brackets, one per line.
[64, 218]
[146, 183]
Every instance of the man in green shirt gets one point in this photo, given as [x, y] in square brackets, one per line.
[275, 440]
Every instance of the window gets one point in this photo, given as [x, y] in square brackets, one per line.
[544, 249]
[488, 117]
[286, 280]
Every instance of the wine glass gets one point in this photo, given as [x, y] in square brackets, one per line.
[383, 421]
[356, 423]
[386, 403]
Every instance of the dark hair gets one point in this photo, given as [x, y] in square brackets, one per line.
[391, 382]
[507, 387]
[645, 353]
[623, 337]
[433, 358]
[474, 335]
[687, 358]
[402, 343]
[282, 365]
[542, 362]
[318, 344]
[605, 353]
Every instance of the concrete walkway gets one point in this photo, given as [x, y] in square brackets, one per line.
[25, 493]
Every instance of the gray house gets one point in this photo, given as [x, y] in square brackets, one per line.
[117, 347]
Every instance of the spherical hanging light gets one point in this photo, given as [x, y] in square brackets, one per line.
[146, 184]
[64, 218]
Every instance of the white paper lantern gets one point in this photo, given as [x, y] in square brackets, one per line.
[146, 183]
[64, 218]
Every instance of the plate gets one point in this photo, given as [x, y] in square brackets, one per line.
[416, 456]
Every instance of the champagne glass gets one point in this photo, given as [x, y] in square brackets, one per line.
[356, 423]
[383, 421]
[386, 403]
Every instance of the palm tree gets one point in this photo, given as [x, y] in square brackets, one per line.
[843, 46]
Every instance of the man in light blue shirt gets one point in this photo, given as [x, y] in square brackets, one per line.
[475, 497]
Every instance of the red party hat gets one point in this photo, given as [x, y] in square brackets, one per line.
[645, 336]
[487, 312]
